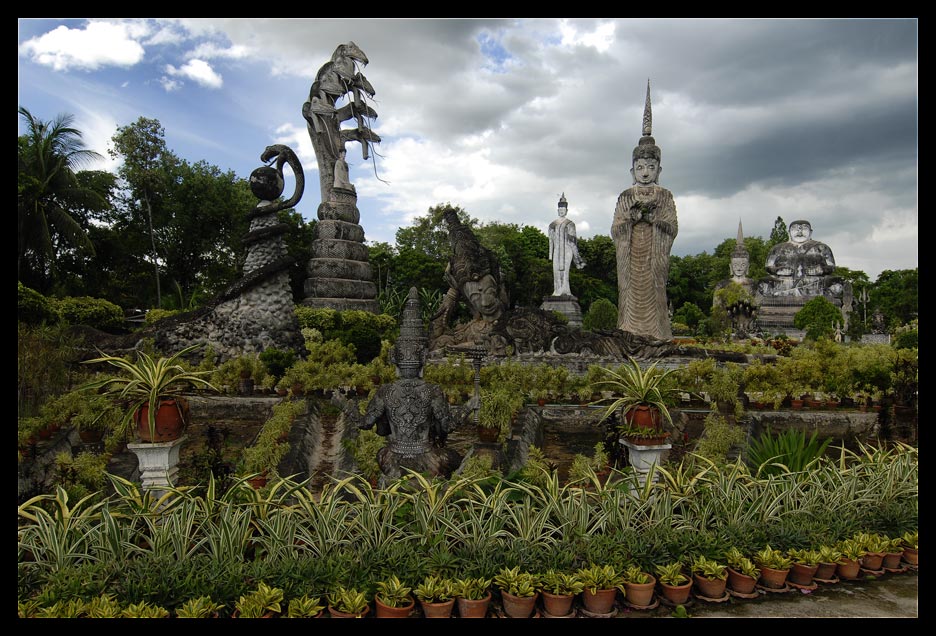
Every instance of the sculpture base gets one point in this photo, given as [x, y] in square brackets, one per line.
[567, 306]
[159, 464]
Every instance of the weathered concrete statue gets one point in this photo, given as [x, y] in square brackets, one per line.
[563, 249]
[800, 266]
[413, 414]
[743, 309]
[340, 276]
[643, 230]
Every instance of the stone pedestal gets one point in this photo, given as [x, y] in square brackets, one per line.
[567, 306]
[642, 458]
[159, 464]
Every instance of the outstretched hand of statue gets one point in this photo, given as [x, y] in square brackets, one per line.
[579, 261]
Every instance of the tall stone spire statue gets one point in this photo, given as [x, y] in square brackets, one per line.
[643, 230]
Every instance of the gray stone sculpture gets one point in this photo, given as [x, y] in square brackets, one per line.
[257, 312]
[643, 230]
[563, 249]
[413, 414]
[340, 276]
[743, 308]
[563, 252]
[798, 270]
[473, 274]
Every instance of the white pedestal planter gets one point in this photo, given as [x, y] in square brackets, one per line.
[159, 464]
[642, 458]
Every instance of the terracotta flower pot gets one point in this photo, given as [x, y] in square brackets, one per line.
[825, 571]
[802, 574]
[741, 583]
[335, 613]
[910, 555]
[848, 569]
[474, 608]
[442, 609]
[773, 578]
[169, 421]
[518, 606]
[600, 601]
[640, 594]
[386, 611]
[892, 560]
[710, 588]
[676, 594]
[872, 560]
[644, 417]
[557, 604]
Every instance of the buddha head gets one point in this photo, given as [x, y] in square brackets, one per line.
[800, 231]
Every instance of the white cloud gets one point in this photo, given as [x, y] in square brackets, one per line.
[298, 139]
[210, 50]
[98, 44]
[600, 39]
[198, 71]
[170, 85]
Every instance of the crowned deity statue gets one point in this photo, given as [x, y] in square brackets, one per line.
[563, 249]
[643, 230]
[412, 413]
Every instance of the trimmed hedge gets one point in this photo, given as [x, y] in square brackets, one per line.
[93, 312]
[34, 308]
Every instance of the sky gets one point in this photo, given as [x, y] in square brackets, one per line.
[813, 119]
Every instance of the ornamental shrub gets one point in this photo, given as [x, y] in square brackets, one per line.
[92, 312]
[33, 308]
[601, 315]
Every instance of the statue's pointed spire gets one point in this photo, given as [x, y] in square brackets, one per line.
[739, 249]
[648, 114]
[563, 203]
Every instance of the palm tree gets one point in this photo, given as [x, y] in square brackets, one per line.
[49, 193]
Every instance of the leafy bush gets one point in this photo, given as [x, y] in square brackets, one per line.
[601, 315]
[33, 308]
[277, 361]
[718, 438]
[818, 318]
[154, 315]
[93, 312]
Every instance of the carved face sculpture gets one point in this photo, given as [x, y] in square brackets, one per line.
[483, 298]
[800, 232]
[739, 266]
[646, 171]
[563, 211]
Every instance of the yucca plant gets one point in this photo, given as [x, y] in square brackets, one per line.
[634, 386]
[148, 382]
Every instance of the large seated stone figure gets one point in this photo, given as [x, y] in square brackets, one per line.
[643, 230]
[798, 270]
[413, 414]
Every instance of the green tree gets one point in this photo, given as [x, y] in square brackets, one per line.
[757, 250]
[428, 234]
[49, 193]
[779, 233]
[692, 279]
[602, 314]
[896, 294]
[817, 318]
[142, 146]
[689, 314]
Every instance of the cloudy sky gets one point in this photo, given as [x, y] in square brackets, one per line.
[803, 119]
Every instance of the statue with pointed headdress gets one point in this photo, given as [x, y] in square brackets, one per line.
[412, 413]
[643, 230]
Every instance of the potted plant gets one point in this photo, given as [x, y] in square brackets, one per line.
[305, 606]
[710, 577]
[584, 468]
[393, 598]
[875, 546]
[774, 566]
[559, 590]
[742, 573]
[262, 602]
[641, 396]
[674, 584]
[436, 596]
[498, 407]
[148, 382]
[805, 564]
[601, 583]
[201, 607]
[638, 586]
[473, 596]
[519, 591]
[893, 553]
[829, 556]
[850, 563]
[144, 609]
[347, 602]
[909, 541]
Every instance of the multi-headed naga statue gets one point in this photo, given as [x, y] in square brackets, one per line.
[336, 79]
[340, 276]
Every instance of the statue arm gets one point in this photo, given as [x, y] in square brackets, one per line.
[664, 217]
[375, 409]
